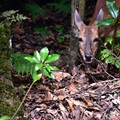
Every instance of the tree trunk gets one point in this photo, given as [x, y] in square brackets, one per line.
[8, 99]
[80, 6]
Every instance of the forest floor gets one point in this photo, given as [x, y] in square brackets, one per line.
[86, 95]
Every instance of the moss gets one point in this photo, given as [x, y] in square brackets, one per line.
[8, 100]
[5, 51]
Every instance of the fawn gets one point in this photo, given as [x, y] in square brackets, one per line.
[88, 36]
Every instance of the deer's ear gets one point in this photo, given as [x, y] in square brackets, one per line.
[78, 20]
[99, 16]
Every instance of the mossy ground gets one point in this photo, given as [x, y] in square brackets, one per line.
[8, 100]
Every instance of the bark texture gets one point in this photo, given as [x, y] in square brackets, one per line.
[80, 6]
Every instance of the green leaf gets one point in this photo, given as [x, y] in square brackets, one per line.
[60, 40]
[45, 72]
[117, 64]
[109, 40]
[105, 53]
[50, 68]
[106, 22]
[5, 118]
[44, 53]
[52, 58]
[43, 31]
[35, 9]
[67, 36]
[36, 76]
[21, 90]
[53, 68]
[32, 59]
[48, 74]
[112, 8]
[110, 59]
[38, 66]
[118, 33]
[37, 55]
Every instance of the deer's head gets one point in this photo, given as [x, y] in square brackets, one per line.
[88, 37]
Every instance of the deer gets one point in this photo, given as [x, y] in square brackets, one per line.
[89, 36]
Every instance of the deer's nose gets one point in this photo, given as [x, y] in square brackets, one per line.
[88, 57]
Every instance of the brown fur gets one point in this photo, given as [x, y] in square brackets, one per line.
[106, 31]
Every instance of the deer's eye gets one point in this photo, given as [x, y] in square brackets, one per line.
[96, 39]
[80, 40]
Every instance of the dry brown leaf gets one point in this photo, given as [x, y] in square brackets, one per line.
[88, 101]
[51, 111]
[60, 75]
[82, 79]
[60, 97]
[74, 70]
[62, 108]
[76, 102]
[72, 88]
[94, 108]
[40, 118]
[39, 100]
[71, 104]
[28, 51]
[114, 117]
[49, 96]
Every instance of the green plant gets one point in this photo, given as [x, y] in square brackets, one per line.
[111, 53]
[61, 35]
[35, 10]
[38, 65]
[12, 16]
[62, 5]
[5, 118]
[42, 32]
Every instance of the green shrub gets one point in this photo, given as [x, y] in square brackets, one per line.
[111, 52]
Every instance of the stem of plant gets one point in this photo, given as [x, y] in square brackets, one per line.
[22, 100]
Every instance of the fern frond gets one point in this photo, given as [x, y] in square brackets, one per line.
[11, 17]
[35, 10]
[9, 13]
[61, 5]
[22, 65]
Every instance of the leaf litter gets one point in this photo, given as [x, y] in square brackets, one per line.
[87, 95]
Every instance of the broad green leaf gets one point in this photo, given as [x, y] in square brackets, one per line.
[53, 68]
[32, 59]
[36, 76]
[47, 66]
[112, 8]
[106, 22]
[37, 55]
[45, 72]
[52, 58]
[105, 53]
[50, 68]
[38, 66]
[117, 64]
[49, 74]
[44, 53]
[5, 118]
[118, 33]
[110, 59]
